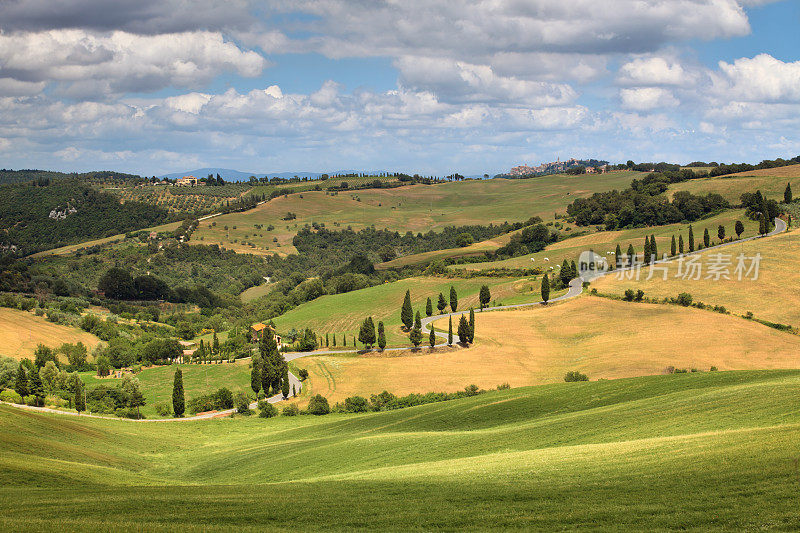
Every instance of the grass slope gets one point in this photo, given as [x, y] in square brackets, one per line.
[771, 182]
[690, 451]
[599, 337]
[344, 313]
[416, 208]
[22, 331]
[773, 296]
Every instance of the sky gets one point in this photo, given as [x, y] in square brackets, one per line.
[435, 87]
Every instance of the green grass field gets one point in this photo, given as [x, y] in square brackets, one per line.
[344, 313]
[156, 382]
[416, 208]
[771, 182]
[605, 242]
[687, 451]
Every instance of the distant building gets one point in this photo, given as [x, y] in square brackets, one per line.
[186, 181]
[257, 332]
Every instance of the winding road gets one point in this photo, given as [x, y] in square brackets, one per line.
[575, 289]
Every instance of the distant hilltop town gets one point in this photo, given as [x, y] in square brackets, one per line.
[579, 166]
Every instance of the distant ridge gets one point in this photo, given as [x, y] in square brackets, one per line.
[229, 174]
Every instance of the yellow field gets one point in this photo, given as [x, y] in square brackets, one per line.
[790, 171]
[599, 337]
[21, 332]
[774, 296]
[771, 182]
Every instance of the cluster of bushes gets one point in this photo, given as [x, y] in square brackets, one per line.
[123, 400]
[219, 400]
[574, 375]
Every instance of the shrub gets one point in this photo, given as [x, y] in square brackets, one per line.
[267, 410]
[243, 404]
[11, 396]
[684, 299]
[30, 399]
[318, 405]
[356, 404]
[163, 408]
[713, 369]
[639, 295]
[574, 375]
[629, 295]
[53, 400]
[290, 410]
[128, 412]
[221, 399]
[503, 386]
[302, 374]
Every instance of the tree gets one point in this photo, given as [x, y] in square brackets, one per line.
[453, 299]
[136, 400]
[366, 335]
[178, 399]
[415, 337]
[647, 251]
[215, 344]
[79, 400]
[450, 332]
[706, 238]
[42, 355]
[285, 383]
[117, 283]
[441, 304]
[680, 244]
[318, 405]
[485, 296]
[545, 290]
[407, 312]
[762, 224]
[417, 321]
[103, 366]
[255, 375]
[653, 248]
[721, 232]
[565, 273]
[429, 307]
[326, 340]
[471, 325]
[739, 228]
[631, 255]
[381, 336]
[36, 388]
[432, 337]
[787, 194]
[691, 239]
[21, 383]
[617, 256]
[463, 330]
[50, 376]
[673, 247]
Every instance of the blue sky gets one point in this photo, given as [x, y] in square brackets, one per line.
[433, 87]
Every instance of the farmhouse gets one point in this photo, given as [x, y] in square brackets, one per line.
[257, 331]
[186, 181]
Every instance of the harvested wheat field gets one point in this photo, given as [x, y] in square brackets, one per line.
[21, 332]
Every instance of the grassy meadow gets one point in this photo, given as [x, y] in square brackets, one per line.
[713, 450]
[773, 296]
[601, 338]
[416, 208]
[344, 313]
[771, 182]
[21, 332]
[605, 242]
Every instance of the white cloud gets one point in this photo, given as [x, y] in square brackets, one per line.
[647, 98]
[653, 71]
[759, 79]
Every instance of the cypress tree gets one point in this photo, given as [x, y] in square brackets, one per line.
[721, 232]
[326, 340]
[631, 255]
[415, 337]
[36, 387]
[706, 238]
[485, 296]
[442, 304]
[617, 257]
[344, 339]
[739, 227]
[79, 400]
[564, 273]
[574, 269]
[680, 244]
[429, 307]
[417, 321]
[471, 325]
[178, 399]
[646, 250]
[215, 344]
[255, 375]
[294, 392]
[406, 312]
[334, 339]
[432, 337]
[366, 334]
[21, 383]
[463, 330]
[762, 224]
[381, 336]
[545, 290]
[453, 299]
[691, 238]
[787, 194]
[285, 383]
[450, 332]
[673, 249]
[653, 247]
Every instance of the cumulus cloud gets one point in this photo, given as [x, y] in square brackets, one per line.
[647, 98]
[119, 62]
[654, 71]
[759, 79]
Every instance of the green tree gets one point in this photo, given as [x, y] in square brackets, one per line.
[178, 398]
[631, 255]
[417, 321]
[647, 251]
[255, 374]
[285, 383]
[441, 304]
[762, 224]
[326, 340]
[136, 399]
[787, 194]
[79, 399]
[453, 299]
[50, 376]
[739, 228]
[334, 339]
[680, 244]
[429, 307]
[406, 312]
[617, 257]
[117, 284]
[432, 337]
[673, 249]
[471, 325]
[381, 336]
[215, 344]
[103, 366]
[366, 335]
[485, 296]
[415, 337]
[653, 248]
[706, 238]
[691, 239]
[565, 274]
[463, 330]
[545, 290]
[450, 332]
[21, 383]
[721, 232]
[36, 388]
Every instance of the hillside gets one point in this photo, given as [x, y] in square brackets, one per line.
[22, 331]
[622, 452]
[599, 337]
